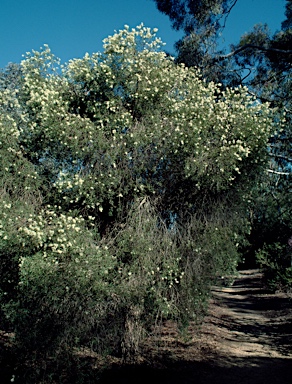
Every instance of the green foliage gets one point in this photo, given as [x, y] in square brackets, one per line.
[123, 194]
[276, 261]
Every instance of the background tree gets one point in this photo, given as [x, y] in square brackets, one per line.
[202, 21]
[271, 80]
[266, 59]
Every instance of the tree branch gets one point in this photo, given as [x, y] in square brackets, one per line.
[228, 13]
[247, 46]
[278, 173]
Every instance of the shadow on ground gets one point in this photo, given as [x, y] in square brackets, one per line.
[240, 371]
[236, 371]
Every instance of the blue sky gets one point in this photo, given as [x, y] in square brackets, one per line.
[73, 27]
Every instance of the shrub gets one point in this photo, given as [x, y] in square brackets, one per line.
[123, 193]
[276, 259]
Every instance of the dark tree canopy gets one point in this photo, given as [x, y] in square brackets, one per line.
[192, 14]
[287, 24]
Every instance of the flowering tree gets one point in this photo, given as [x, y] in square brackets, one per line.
[124, 177]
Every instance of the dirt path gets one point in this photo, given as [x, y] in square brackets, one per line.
[251, 321]
[246, 339]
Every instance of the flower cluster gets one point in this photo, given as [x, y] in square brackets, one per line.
[55, 233]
